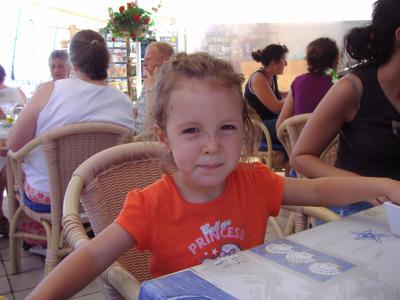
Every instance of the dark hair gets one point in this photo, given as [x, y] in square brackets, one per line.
[374, 44]
[270, 53]
[321, 55]
[175, 72]
[2, 74]
[61, 54]
[88, 52]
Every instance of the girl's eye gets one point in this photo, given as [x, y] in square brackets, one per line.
[228, 127]
[190, 131]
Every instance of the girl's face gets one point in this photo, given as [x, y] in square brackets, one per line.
[204, 132]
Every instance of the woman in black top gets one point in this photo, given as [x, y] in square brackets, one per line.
[261, 89]
[363, 107]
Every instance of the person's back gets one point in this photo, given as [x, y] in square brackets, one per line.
[75, 101]
[368, 144]
[67, 101]
[308, 90]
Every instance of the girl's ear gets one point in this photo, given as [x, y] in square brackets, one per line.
[161, 135]
[397, 35]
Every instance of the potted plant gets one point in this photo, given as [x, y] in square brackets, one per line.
[130, 21]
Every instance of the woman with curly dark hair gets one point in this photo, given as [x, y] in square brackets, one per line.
[363, 107]
[308, 89]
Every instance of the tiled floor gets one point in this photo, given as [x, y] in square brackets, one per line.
[16, 287]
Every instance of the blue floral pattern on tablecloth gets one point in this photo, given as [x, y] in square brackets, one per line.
[311, 263]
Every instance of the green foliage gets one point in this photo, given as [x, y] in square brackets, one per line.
[130, 21]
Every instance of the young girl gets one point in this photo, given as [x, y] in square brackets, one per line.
[212, 200]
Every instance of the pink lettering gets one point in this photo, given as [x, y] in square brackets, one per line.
[230, 232]
[193, 248]
[200, 242]
[223, 232]
[213, 235]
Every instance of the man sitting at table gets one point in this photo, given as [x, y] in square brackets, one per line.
[156, 54]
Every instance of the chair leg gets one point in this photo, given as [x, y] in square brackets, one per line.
[276, 227]
[52, 257]
[15, 244]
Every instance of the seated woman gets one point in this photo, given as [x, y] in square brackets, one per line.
[261, 89]
[62, 102]
[363, 108]
[308, 89]
[9, 95]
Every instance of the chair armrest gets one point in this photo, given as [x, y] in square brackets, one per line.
[321, 213]
[122, 281]
[73, 228]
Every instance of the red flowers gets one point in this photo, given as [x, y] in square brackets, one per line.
[136, 18]
[130, 21]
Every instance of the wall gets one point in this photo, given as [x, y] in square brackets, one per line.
[235, 42]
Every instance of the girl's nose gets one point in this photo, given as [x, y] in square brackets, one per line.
[211, 145]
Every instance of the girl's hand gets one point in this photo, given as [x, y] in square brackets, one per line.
[378, 201]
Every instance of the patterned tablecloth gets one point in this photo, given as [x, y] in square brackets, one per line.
[354, 258]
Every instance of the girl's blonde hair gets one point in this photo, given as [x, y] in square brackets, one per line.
[202, 66]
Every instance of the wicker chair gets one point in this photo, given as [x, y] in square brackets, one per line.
[64, 148]
[274, 159]
[101, 183]
[288, 133]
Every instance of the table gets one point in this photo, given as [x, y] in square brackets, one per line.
[354, 258]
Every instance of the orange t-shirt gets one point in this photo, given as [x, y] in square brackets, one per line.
[181, 234]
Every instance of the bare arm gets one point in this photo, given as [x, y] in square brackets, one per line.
[332, 191]
[264, 92]
[84, 265]
[287, 110]
[25, 128]
[338, 106]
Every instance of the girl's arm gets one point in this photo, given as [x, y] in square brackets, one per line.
[264, 92]
[333, 191]
[338, 106]
[82, 266]
[25, 128]
[287, 110]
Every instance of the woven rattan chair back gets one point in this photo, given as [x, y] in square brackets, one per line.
[290, 129]
[288, 133]
[274, 159]
[103, 182]
[65, 149]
